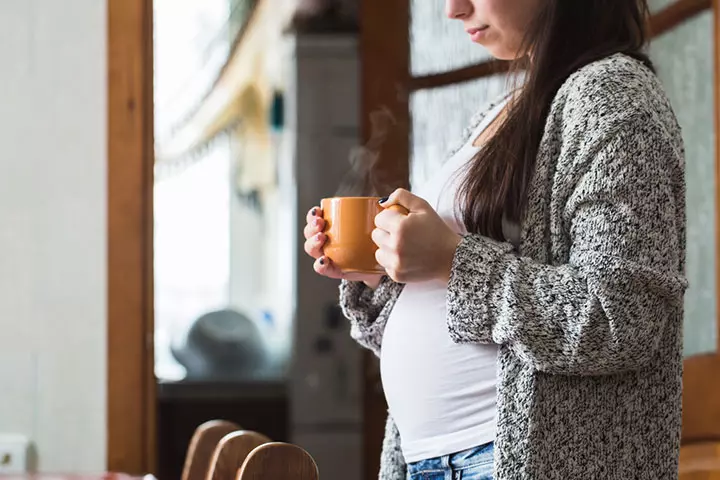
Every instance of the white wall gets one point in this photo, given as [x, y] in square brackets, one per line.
[53, 232]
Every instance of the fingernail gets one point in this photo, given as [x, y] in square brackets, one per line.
[314, 212]
[322, 261]
[317, 222]
[384, 199]
[318, 237]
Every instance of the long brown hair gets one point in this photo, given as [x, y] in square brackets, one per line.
[564, 36]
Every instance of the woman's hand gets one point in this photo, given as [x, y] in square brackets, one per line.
[415, 247]
[315, 241]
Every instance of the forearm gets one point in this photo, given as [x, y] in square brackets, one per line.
[603, 317]
[368, 309]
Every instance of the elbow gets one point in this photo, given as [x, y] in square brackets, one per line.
[630, 360]
[603, 353]
[588, 366]
[639, 335]
[625, 349]
[631, 331]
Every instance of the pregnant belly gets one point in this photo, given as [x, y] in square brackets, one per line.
[433, 386]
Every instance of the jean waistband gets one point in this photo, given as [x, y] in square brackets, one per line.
[467, 458]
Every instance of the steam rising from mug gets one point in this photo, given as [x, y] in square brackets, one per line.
[363, 178]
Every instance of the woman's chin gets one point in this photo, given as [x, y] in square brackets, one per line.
[500, 53]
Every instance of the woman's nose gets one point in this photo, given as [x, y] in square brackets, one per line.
[458, 9]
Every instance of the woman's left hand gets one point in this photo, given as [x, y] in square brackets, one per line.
[415, 247]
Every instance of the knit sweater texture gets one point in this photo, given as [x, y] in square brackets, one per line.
[588, 316]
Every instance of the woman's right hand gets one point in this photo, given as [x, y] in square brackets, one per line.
[315, 241]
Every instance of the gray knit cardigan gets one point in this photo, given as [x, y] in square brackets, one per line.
[588, 317]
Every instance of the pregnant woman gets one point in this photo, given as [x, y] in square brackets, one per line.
[529, 325]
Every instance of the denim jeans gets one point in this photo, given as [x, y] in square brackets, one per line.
[473, 464]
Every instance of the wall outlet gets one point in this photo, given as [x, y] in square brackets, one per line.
[13, 453]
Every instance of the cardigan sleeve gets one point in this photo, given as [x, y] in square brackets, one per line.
[368, 310]
[604, 311]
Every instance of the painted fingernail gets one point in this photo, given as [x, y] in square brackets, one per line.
[314, 212]
[322, 261]
[384, 199]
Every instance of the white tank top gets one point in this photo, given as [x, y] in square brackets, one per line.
[441, 395]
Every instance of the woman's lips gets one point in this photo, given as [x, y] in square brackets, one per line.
[476, 34]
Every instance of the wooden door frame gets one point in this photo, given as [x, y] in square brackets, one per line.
[385, 74]
[131, 442]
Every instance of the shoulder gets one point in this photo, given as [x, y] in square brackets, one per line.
[613, 119]
[612, 81]
[611, 94]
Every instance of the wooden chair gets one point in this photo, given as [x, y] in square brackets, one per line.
[700, 451]
[202, 447]
[231, 452]
[279, 461]
[700, 462]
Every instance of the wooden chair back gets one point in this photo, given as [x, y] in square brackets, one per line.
[700, 451]
[276, 461]
[231, 452]
[701, 399]
[700, 461]
[202, 447]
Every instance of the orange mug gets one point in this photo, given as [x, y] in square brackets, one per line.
[349, 222]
